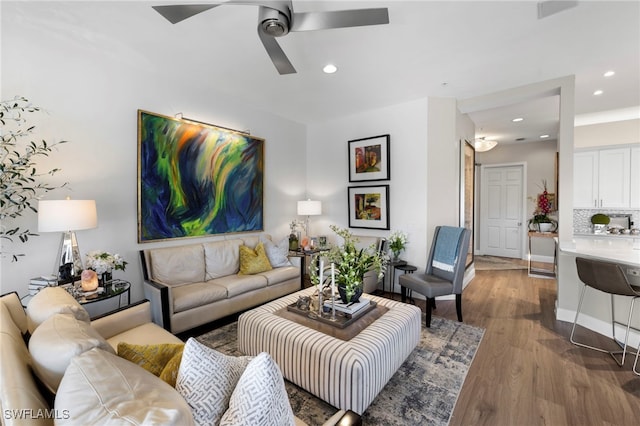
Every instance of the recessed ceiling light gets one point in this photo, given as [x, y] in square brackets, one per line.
[544, 136]
[329, 69]
[609, 73]
[517, 120]
[598, 93]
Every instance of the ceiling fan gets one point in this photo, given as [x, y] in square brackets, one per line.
[277, 19]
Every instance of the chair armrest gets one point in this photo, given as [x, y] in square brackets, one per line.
[121, 320]
[344, 418]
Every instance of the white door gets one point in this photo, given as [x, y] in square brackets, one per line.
[501, 211]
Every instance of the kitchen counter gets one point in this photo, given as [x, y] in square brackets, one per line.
[616, 248]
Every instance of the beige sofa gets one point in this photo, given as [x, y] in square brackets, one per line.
[68, 374]
[194, 284]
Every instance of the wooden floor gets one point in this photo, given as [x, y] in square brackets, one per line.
[526, 372]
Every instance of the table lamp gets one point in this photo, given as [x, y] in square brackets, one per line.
[67, 216]
[309, 208]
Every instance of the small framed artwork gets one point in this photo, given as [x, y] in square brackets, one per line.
[369, 207]
[369, 159]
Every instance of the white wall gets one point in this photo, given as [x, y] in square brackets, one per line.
[607, 134]
[328, 177]
[92, 99]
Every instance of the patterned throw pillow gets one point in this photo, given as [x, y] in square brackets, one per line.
[162, 360]
[206, 380]
[253, 261]
[260, 397]
[277, 252]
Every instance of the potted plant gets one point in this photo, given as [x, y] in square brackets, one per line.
[352, 263]
[21, 183]
[541, 221]
[103, 263]
[397, 242]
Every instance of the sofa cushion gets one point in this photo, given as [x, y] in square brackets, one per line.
[238, 284]
[117, 392]
[190, 296]
[280, 275]
[253, 261]
[206, 380]
[277, 252]
[50, 301]
[19, 390]
[222, 258]
[16, 310]
[56, 341]
[162, 360]
[260, 396]
[178, 265]
[145, 334]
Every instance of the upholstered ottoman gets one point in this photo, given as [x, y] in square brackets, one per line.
[346, 374]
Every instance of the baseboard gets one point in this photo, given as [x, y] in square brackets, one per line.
[544, 259]
[599, 326]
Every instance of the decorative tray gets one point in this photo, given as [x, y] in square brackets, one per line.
[342, 320]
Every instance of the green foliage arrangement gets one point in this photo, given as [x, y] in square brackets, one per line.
[20, 181]
[351, 264]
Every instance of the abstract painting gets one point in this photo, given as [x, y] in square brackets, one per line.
[369, 207]
[196, 179]
[369, 159]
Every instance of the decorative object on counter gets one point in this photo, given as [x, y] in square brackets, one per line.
[89, 280]
[351, 264]
[103, 263]
[599, 222]
[20, 181]
[541, 222]
[397, 242]
[67, 216]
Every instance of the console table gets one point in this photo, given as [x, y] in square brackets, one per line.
[541, 272]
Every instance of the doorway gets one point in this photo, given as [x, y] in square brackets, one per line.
[502, 201]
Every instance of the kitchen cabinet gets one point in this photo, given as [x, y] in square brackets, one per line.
[602, 178]
[634, 200]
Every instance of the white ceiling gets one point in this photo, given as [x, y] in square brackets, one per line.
[458, 49]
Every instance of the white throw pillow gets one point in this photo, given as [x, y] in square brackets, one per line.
[50, 301]
[260, 398]
[56, 341]
[100, 388]
[276, 252]
[206, 380]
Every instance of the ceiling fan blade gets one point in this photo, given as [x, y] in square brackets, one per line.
[309, 21]
[547, 8]
[180, 12]
[275, 52]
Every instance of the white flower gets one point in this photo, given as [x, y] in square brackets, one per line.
[102, 261]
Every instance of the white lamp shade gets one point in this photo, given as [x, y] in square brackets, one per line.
[309, 208]
[66, 215]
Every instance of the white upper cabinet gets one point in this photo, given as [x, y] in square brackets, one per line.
[602, 178]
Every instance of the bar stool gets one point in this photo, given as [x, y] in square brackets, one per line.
[609, 278]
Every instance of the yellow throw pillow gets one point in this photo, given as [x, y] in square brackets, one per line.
[162, 360]
[253, 261]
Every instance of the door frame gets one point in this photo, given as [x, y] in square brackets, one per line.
[524, 229]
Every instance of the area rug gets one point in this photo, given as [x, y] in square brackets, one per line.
[495, 263]
[423, 391]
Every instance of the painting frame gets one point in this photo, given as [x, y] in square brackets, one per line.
[467, 194]
[196, 179]
[376, 215]
[363, 152]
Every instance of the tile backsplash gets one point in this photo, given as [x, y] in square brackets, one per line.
[582, 218]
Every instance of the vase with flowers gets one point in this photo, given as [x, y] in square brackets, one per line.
[103, 263]
[541, 222]
[397, 242]
[352, 263]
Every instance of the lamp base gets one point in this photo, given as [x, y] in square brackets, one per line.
[68, 263]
